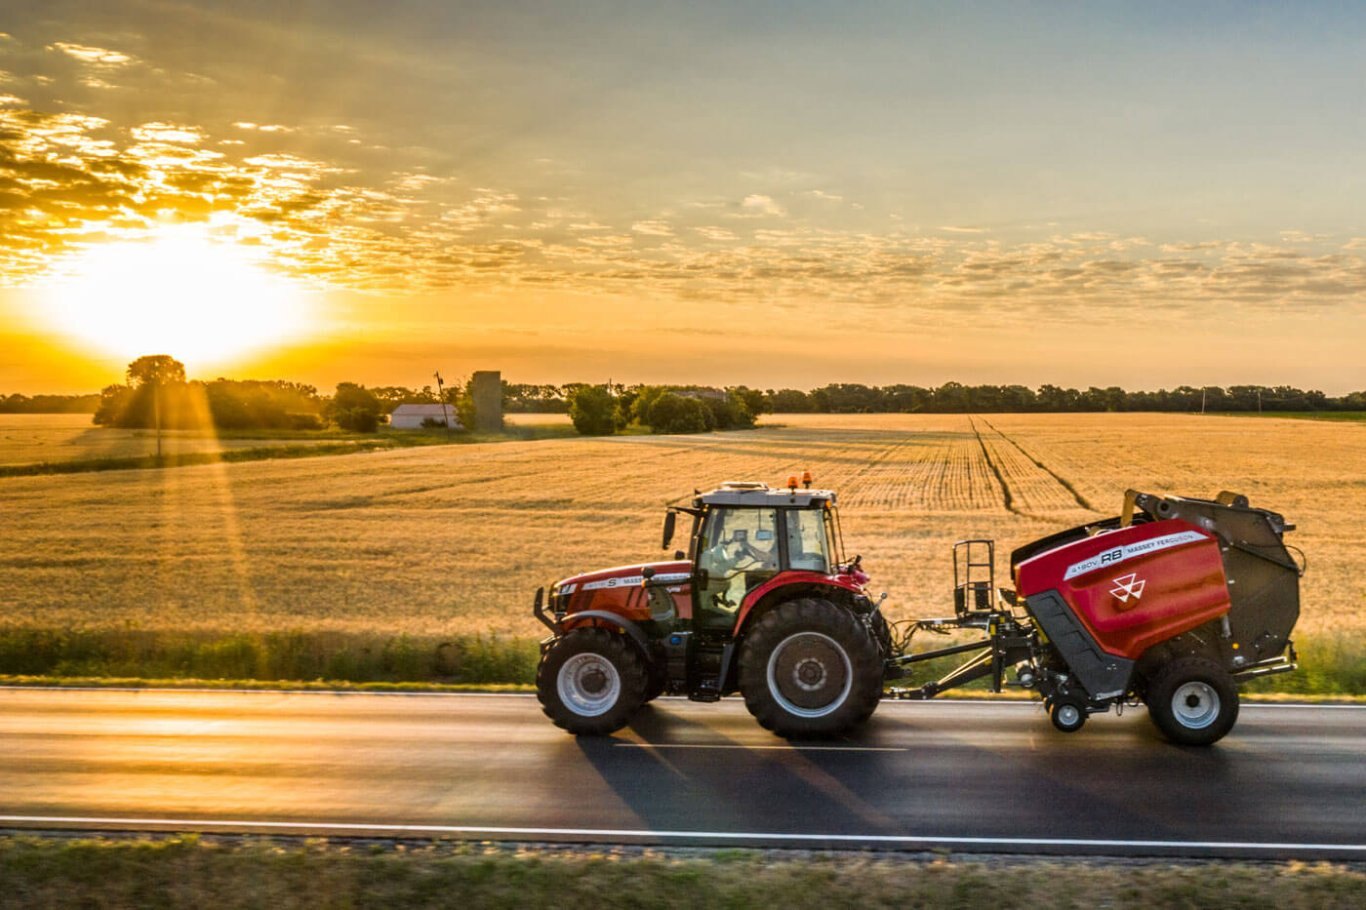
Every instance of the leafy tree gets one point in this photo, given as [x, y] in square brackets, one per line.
[671, 413]
[790, 401]
[593, 411]
[157, 369]
[355, 408]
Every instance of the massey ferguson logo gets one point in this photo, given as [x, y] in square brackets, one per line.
[1127, 586]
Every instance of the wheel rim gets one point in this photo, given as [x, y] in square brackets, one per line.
[809, 674]
[1068, 715]
[589, 685]
[1195, 705]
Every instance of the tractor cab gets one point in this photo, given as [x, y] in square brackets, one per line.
[744, 535]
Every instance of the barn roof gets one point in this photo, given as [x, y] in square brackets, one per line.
[424, 410]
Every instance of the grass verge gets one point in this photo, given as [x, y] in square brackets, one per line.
[1329, 667]
[187, 871]
[465, 660]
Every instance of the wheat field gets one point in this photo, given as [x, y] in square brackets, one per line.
[452, 539]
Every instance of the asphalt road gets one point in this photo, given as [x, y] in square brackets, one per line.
[963, 776]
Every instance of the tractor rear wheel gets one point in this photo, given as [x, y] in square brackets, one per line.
[1193, 701]
[591, 681]
[810, 668]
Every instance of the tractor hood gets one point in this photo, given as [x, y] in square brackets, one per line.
[624, 577]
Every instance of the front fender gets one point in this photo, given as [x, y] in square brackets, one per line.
[633, 631]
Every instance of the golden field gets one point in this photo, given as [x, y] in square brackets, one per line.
[450, 539]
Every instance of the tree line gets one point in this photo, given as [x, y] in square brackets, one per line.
[156, 391]
[48, 404]
[956, 398]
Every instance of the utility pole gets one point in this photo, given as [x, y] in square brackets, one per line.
[156, 411]
[1203, 392]
[1259, 401]
[441, 397]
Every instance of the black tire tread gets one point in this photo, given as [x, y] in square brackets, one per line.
[623, 655]
[1171, 677]
[817, 615]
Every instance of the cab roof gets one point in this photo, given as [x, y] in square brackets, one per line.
[755, 495]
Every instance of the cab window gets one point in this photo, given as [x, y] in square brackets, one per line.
[739, 551]
[808, 542]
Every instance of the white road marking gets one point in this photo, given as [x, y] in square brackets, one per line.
[760, 748]
[901, 703]
[906, 840]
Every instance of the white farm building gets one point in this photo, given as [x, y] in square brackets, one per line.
[412, 416]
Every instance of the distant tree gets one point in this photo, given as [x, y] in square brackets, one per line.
[156, 394]
[593, 411]
[790, 401]
[729, 413]
[755, 401]
[670, 413]
[355, 408]
[462, 396]
[158, 369]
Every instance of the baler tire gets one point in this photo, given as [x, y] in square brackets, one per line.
[1067, 715]
[579, 666]
[830, 645]
[1208, 696]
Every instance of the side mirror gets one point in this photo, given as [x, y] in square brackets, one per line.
[670, 519]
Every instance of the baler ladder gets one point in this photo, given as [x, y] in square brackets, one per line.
[974, 581]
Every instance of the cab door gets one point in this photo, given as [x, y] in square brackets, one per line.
[737, 549]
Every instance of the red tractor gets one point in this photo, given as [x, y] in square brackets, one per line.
[1173, 603]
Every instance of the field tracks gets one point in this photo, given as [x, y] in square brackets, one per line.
[1063, 481]
[1006, 498]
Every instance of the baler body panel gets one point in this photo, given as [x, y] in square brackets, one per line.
[1135, 587]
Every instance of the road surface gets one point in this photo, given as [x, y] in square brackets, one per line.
[1290, 781]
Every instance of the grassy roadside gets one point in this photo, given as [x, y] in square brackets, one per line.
[307, 446]
[193, 872]
[1330, 667]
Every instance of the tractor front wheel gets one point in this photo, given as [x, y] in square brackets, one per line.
[810, 668]
[591, 681]
[1193, 701]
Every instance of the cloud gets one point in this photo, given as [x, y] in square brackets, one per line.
[954, 229]
[269, 127]
[653, 228]
[168, 132]
[716, 233]
[760, 206]
[69, 180]
[93, 56]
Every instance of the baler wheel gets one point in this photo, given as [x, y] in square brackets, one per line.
[591, 681]
[809, 667]
[1067, 715]
[1193, 701]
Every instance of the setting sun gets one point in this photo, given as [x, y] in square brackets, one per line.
[182, 293]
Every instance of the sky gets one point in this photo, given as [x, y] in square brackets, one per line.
[773, 194]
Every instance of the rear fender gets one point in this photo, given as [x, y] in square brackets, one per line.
[790, 585]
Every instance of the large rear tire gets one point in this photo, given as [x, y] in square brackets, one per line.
[591, 681]
[810, 668]
[1193, 701]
